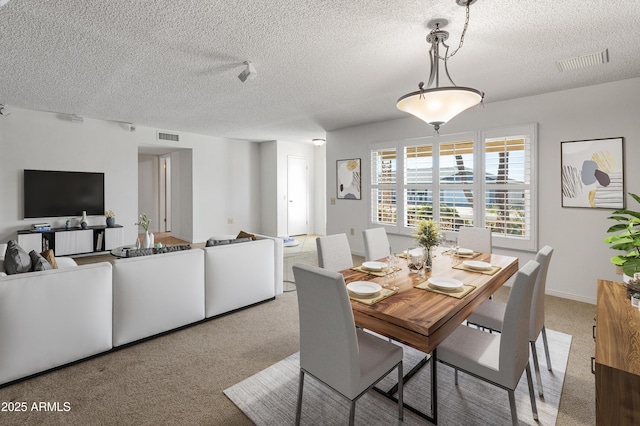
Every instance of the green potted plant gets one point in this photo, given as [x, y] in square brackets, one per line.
[627, 240]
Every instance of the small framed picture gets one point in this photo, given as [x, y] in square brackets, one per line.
[593, 173]
[348, 179]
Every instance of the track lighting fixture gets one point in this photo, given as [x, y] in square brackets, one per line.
[76, 119]
[4, 111]
[249, 73]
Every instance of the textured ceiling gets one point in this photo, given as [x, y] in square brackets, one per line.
[322, 65]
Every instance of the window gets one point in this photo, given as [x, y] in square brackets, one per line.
[483, 178]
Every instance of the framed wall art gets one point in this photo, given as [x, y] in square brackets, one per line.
[593, 173]
[348, 179]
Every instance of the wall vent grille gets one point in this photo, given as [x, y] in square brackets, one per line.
[583, 61]
[168, 137]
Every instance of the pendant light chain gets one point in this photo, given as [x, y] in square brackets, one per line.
[464, 32]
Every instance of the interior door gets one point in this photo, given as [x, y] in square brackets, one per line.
[297, 195]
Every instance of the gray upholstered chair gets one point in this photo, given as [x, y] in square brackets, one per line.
[334, 252]
[491, 313]
[476, 239]
[376, 244]
[501, 358]
[347, 360]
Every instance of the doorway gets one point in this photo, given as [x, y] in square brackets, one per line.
[298, 195]
[164, 186]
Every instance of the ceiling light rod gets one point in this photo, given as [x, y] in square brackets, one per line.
[437, 105]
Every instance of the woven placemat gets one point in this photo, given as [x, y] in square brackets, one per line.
[387, 271]
[458, 294]
[465, 256]
[491, 271]
[371, 300]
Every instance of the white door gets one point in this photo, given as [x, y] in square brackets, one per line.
[297, 195]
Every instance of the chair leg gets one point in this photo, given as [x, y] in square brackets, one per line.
[532, 396]
[352, 413]
[400, 392]
[455, 375]
[546, 347]
[536, 367]
[299, 405]
[512, 404]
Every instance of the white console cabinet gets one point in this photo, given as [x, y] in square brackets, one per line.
[66, 242]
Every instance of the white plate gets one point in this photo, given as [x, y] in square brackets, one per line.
[445, 283]
[465, 251]
[364, 288]
[476, 264]
[375, 266]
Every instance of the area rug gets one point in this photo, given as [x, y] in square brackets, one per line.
[269, 397]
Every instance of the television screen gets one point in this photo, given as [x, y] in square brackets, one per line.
[49, 193]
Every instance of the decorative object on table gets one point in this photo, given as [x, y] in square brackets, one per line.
[348, 179]
[144, 221]
[416, 259]
[152, 241]
[593, 173]
[633, 286]
[67, 224]
[428, 235]
[83, 220]
[635, 300]
[137, 244]
[628, 240]
[111, 218]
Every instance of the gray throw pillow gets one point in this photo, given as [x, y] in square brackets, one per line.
[16, 259]
[38, 262]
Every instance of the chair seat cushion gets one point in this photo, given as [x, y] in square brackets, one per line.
[489, 315]
[472, 350]
[376, 357]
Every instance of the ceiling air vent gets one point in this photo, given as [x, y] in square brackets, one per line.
[584, 61]
[168, 137]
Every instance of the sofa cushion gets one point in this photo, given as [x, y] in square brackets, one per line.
[213, 242]
[51, 258]
[39, 263]
[16, 259]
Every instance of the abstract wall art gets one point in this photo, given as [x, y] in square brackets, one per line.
[593, 173]
[348, 179]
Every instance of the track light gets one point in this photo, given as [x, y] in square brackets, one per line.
[4, 111]
[249, 73]
[132, 127]
[76, 119]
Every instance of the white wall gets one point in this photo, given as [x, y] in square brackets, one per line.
[148, 195]
[220, 179]
[320, 191]
[602, 111]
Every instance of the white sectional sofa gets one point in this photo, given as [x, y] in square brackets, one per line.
[51, 318]
[55, 317]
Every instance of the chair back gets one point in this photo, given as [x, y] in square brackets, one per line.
[537, 304]
[476, 239]
[514, 340]
[328, 341]
[376, 244]
[334, 252]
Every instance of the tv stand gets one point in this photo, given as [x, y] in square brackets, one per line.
[75, 240]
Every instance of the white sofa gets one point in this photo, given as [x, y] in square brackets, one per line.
[157, 293]
[239, 275]
[51, 318]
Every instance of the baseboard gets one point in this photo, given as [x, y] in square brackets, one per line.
[571, 296]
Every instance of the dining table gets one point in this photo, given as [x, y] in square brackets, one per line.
[420, 318]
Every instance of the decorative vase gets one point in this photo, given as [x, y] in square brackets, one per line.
[151, 240]
[147, 240]
[137, 243]
[111, 222]
[428, 261]
[67, 224]
[83, 221]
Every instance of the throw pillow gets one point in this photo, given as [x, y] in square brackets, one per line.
[39, 263]
[243, 234]
[51, 258]
[16, 259]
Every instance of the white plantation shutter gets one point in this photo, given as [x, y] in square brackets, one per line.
[418, 183]
[383, 186]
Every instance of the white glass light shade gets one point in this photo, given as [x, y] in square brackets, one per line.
[439, 105]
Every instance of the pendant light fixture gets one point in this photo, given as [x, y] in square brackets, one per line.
[434, 104]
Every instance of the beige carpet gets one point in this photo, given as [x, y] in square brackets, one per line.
[269, 397]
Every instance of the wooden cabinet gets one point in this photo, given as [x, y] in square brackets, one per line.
[617, 360]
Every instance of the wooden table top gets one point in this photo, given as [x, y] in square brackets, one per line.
[420, 318]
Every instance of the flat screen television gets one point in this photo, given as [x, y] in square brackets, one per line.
[50, 193]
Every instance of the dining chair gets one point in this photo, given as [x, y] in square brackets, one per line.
[490, 314]
[334, 252]
[476, 239]
[498, 359]
[332, 350]
[376, 244]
